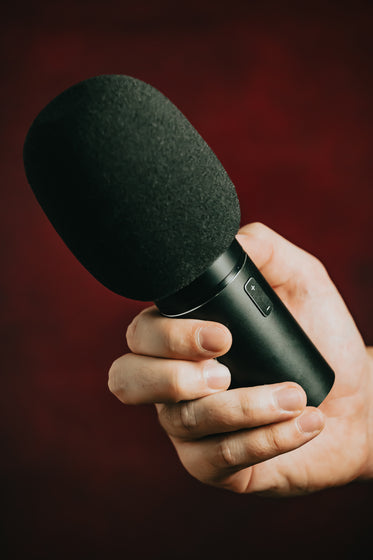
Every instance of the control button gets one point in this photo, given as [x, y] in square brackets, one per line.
[258, 296]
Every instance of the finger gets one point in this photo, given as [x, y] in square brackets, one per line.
[280, 261]
[151, 334]
[213, 459]
[143, 379]
[233, 410]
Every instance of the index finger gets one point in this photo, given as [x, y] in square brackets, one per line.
[152, 334]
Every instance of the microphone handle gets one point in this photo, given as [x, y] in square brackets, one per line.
[269, 346]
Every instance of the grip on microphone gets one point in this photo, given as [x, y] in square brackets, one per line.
[269, 346]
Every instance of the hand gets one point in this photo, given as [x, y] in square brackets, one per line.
[257, 439]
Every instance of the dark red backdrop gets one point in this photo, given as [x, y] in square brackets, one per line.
[283, 94]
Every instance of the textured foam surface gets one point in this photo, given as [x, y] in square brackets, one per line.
[131, 187]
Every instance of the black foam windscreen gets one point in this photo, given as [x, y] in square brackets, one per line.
[130, 186]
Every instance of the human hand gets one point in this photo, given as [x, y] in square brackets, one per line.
[257, 439]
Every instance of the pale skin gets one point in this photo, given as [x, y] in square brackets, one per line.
[257, 439]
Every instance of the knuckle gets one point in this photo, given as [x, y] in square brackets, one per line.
[241, 409]
[166, 416]
[131, 333]
[231, 412]
[175, 388]
[117, 376]
[188, 417]
[274, 442]
[178, 338]
[315, 266]
[246, 408]
[171, 337]
[225, 457]
[178, 420]
[258, 227]
[113, 377]
[253, 227]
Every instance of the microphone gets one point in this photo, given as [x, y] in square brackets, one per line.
[147, 208]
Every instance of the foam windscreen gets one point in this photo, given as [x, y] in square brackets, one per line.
[132, 188]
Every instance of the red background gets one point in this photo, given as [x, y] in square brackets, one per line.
[283, 93]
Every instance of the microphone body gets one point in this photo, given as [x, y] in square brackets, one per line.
[269, 346]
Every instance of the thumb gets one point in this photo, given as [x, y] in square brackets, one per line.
[280, 262]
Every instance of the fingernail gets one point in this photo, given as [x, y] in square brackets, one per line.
[310, 421]
[217, 375]
[289, 399]
[211, 338]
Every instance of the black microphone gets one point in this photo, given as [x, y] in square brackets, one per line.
[144, 204]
